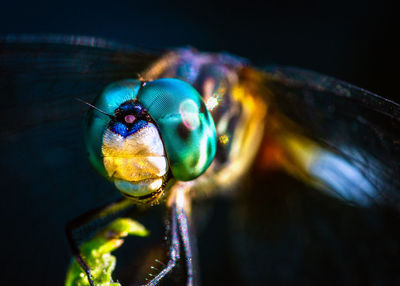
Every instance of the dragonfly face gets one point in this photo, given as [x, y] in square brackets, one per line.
[155, 126]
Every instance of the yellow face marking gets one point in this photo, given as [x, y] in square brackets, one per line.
[137, 163]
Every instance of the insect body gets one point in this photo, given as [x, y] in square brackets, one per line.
[193, 126]
[161, 135]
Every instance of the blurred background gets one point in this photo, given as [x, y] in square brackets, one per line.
[351, 40]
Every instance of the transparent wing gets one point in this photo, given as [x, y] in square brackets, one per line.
[40, 76]
[331, 136]
[342, 138]
[45, 179]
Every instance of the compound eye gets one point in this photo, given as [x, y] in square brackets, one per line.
[186, 126]
[129, 118]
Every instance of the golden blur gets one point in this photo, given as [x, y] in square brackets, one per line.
[248, 134]
[245, 141]
[284, 145]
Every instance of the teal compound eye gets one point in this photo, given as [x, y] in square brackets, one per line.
[186, 128]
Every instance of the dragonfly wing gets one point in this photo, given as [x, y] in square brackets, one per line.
[281, 231]
[40, 77]
[346, 139]
[45, 177]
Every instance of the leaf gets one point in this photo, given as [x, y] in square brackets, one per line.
[97, 253]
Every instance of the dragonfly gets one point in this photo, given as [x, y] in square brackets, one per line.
[311, 163]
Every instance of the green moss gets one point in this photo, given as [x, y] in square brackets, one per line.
[97, 253]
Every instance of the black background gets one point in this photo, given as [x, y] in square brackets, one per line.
[353, 41]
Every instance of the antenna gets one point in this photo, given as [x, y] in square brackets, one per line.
[94, 107]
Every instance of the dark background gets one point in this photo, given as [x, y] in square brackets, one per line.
[351, 40]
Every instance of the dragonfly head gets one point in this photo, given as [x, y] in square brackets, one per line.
[149, 133]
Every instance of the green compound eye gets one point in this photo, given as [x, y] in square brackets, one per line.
[186, 127]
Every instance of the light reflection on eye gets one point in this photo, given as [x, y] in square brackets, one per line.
[190, 114]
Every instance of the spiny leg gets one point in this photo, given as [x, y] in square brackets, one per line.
[174, 250]
[92, 220]
[189, 246]
[180, 229]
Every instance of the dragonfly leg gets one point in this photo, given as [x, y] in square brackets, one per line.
[183, 215]
[174, 250]
[180, 231]
[89, 222]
